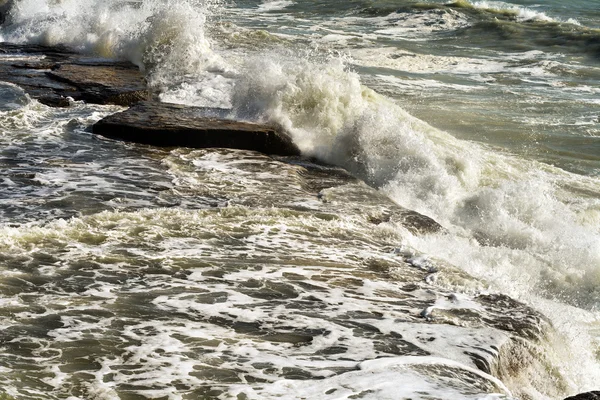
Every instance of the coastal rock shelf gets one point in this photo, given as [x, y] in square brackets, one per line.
[166, 125]
[52, 75]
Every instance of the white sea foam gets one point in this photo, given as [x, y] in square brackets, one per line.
[417, 86]
[524, 227]
[523, 14]
[201, 276]
[253, 249]
[425, 63]
[531, 240]
[166, 38]
[273, 5]
[386, 379]
[415, 25]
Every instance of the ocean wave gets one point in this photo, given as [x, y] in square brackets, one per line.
[528, 27]
[516, 223]
[502, 210]
[491, 20]
[416, 23]
[497, 8]
[520, 13]
[165, 38]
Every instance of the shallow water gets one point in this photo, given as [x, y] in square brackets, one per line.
[132, 272]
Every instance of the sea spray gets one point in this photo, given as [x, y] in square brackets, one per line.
[514, 223]
[166, 38]
[519, 225]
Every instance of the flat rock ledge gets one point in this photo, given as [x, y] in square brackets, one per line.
[54, 74]
[175, 125]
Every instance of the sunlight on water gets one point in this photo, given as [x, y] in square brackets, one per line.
[129, 271]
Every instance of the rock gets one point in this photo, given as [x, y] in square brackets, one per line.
[413, 221]
[174, 125]
[103, 83]
[586, 396]
[54, 74]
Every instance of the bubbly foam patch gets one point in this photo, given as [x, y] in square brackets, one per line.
[274, 5]
[506, 208]
[523, 14]
[293, 276]
[237, 300]
[387, 379]
[525, 228]
[52, 168]
[417, 25]
[393, 58]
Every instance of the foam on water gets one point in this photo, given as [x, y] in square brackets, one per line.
[393, 58]
[523, 226]
[273, 5]
[52, 168]
[415, 25]
[389, 379]
[242, 300]
[522, 14]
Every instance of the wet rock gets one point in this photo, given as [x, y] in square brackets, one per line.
[586, 396]
[522, 320]
[318, 176]
[413, 221]
[344, 188]
[418, 223]
[54, 75]
[103, 83]
[173, 125]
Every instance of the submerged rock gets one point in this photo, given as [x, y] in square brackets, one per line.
[54, 74]
[174, 125]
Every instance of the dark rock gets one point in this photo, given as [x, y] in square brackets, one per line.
[51, 53]
[54, 100]
[318, 176]
[169, 125]
[586, 396]
[117, 83]
[522, 320]
[60, 73]
[36, 65]
[322, 179]
[415, 222]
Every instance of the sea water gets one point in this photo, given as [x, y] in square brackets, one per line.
[130, 271]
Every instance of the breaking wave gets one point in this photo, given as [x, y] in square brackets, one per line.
[522, 226]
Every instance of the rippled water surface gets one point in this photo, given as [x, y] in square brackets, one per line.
[450, 160]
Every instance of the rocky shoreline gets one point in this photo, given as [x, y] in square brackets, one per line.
[57, 76]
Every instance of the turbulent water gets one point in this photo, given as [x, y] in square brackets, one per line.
[131, 272]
